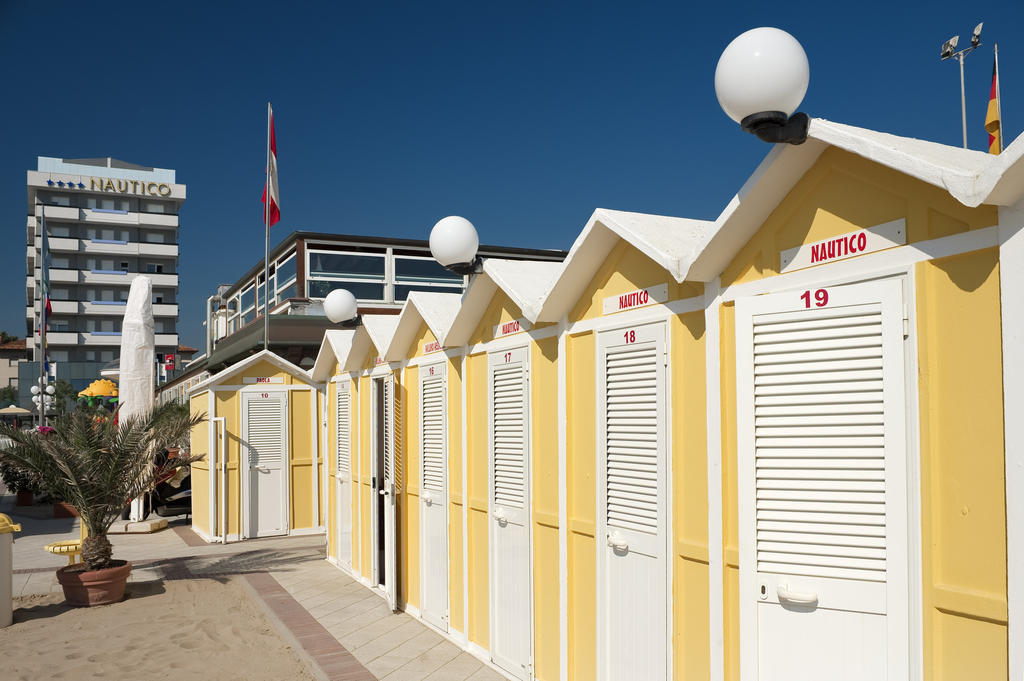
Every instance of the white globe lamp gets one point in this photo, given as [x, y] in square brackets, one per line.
[454, 243]
[49, 390]
[34, 390]
[341, 307]
[761, 78]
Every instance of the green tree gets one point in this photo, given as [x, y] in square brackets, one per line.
[8, 395]
[6, 337]
[63, 393]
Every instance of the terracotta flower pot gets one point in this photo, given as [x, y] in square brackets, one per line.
[23, 499]
[83, 588]
[62, 509]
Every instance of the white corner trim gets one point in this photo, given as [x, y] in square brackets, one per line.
[563, 513]
[1011, 290]
[716, 577]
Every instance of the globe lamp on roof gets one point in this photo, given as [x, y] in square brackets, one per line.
[761, 78]
[454, 244]
[341, 307]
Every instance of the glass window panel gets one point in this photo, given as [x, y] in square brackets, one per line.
[289, 292]
[247, 299]
[361, 290]
[408, 269]
[402, 290]
[248, 317]
[347, 265]
[286, 271]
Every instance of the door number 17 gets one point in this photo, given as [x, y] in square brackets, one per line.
[820, 298]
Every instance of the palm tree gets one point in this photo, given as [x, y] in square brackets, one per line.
[97, 462]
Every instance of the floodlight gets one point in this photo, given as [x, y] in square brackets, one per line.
[949, 46]
[976, 37]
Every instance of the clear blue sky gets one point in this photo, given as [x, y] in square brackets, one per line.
[522, 117]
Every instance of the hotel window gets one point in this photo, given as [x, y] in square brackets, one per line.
[361, 273]
[59, 230]
[158, 298]
[124, 265]
[107, 356]
[60, 263]
[423, 274]
[57, 355]
[154, 268]
[57, 325]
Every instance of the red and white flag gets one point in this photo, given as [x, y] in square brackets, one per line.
[275, 195]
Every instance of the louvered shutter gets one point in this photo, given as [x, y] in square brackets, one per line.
[397, 429]
[343, 431]
[432, 406]
[632, 436]
[819, 443]
[389, 412]
[265, 422]
[509, 439]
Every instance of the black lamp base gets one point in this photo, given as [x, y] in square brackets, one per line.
[776, 128]
[353, 323]
[475, 266]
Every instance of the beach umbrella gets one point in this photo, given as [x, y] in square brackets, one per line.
[135, 392]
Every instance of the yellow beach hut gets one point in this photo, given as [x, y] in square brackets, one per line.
[261, 476]
[510, 479]
[364, 406]
[863, 389]
[631, 449]
[430, 455]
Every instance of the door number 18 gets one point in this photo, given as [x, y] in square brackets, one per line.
[820, 298]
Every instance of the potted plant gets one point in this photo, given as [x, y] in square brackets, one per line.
[95, 461]
[23, 484]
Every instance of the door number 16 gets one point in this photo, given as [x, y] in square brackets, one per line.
[820, 298]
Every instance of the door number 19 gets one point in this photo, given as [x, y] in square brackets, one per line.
[820, 298]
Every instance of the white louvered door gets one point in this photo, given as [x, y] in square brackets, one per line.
[511, 598]
[433, 495]
[633, 616]
[265, 417]
[388, 492]
[822, 484]
[343, 470]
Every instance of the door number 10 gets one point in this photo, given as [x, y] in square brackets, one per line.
[820, 298]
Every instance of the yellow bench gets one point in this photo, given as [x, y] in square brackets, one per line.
[72, 548]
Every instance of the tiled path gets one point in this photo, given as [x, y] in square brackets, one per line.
[344, 629]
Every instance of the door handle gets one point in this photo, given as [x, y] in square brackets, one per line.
[499, 515]
[428, 498]
[796, 597]
[258, 467]
[616, 541]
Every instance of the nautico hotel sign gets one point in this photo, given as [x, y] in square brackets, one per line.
[108, 184]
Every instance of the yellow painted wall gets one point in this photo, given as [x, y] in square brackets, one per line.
[477, 471]
[501, 309]
[331, 512]
[409, 500]
[690, 598]
[302, 459]
[627, 269]
[581, 506]
[455, 500]
[960, 402]
[963, 506]
[200, 444]
[841, 193]
[544, 454]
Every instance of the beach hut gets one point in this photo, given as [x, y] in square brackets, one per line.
[261, 475]
[863, 390]
[430, 434]
[365, 405]
[631, 449]
[510, 477]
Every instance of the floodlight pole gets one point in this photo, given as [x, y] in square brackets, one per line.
[963, 100]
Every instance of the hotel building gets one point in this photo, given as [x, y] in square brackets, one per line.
[107, 222]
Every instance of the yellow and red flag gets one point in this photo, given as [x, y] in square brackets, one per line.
[993, 117]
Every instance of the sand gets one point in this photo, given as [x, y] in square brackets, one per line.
[181, 630]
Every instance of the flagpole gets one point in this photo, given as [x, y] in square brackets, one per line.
[999, 101]
[266, 243]
[42, 317]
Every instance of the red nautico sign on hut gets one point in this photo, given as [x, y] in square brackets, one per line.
[877, 238]
[512, 327]
[638, 298]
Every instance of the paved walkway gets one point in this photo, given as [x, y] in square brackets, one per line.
[345, 630]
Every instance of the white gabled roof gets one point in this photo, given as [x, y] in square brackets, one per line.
[261, 356]
[526, 282]
[335, 347]
[375, 331]
[673, 243]
[436, 310]
[970, 177]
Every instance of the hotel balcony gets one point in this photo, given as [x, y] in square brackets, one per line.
[108, 217]
[58, 212]
[64, 306]
[165, 310]
[60, 244]
[109, 247]
[162, 340]
[62, 338]
[160, 250]
[62, 276]
[100, 338]
[157, 220]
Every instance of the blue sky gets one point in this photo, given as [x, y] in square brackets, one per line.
[522, 117]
